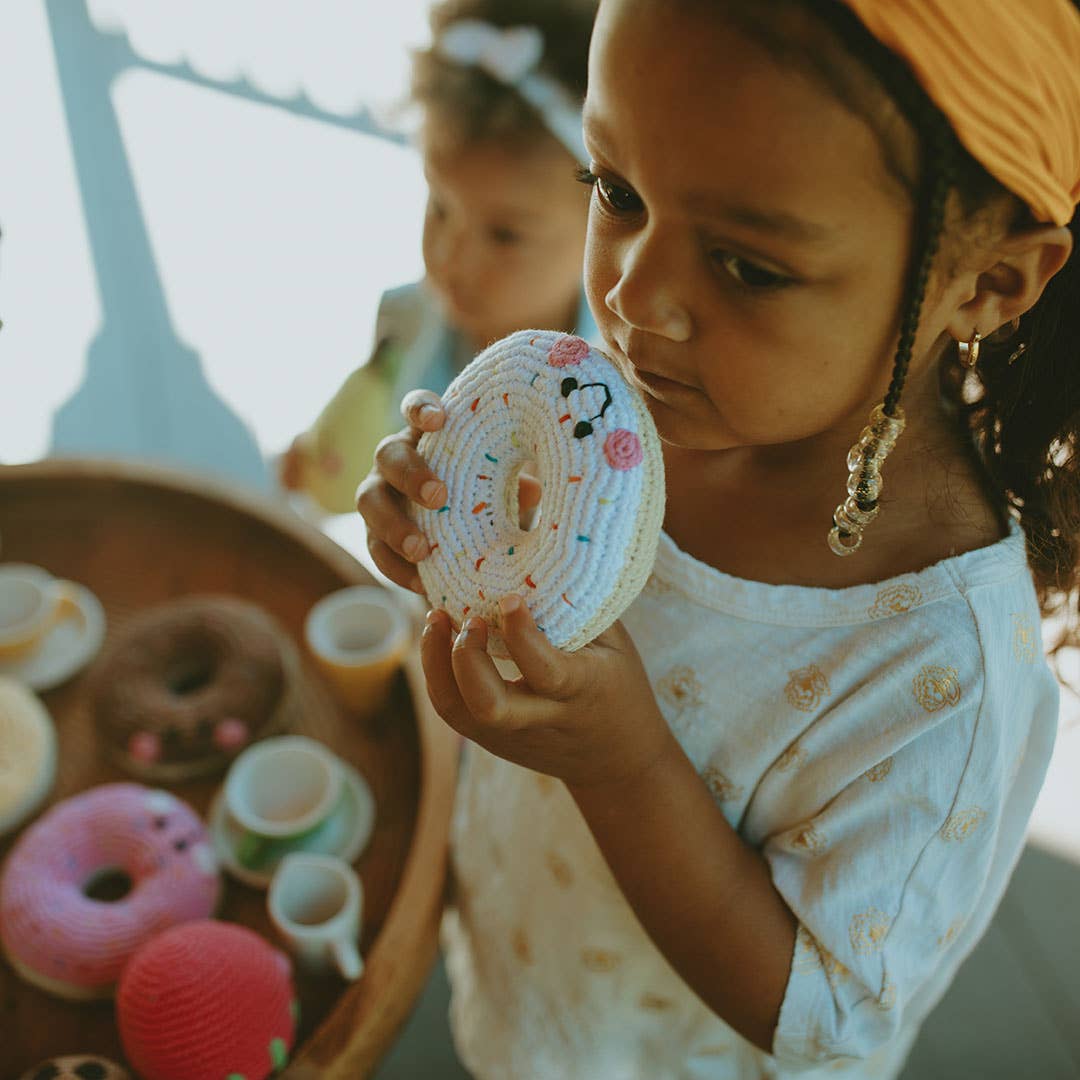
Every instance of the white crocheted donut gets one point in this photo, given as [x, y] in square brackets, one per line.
[549, 398]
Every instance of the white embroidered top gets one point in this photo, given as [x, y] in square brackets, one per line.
[882, 746]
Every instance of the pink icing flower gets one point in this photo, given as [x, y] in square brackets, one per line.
[566, 351]
[622, 449]
[230, 733]
[144, 746]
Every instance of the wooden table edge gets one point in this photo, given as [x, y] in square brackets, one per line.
[383, 998]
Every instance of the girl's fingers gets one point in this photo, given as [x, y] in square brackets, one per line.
[435, 644]
[547, 670]
[482, 689]
[400, 465]
[529, 492]
[400, 571]
[387, 522]
[423, 410]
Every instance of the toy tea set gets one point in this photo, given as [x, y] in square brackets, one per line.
[206, 684]
[111, 893]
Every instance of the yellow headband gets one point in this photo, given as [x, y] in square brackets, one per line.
[1006, 73]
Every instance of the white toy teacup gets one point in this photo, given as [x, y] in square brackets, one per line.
[32, 602]
[316, 904]
[279, 791]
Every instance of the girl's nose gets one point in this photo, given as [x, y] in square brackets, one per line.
[644, 297]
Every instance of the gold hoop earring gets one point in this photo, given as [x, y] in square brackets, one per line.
[969, 350]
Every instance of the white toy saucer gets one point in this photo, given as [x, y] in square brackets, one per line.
[345, 833]
[67, 647]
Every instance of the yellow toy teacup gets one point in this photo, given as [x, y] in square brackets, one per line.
[32, 602]
[358, 637]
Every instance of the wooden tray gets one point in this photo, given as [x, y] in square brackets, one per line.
[137, 536]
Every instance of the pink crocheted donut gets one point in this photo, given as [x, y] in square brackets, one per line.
[94, 878]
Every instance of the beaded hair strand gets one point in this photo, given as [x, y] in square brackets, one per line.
[887, 420]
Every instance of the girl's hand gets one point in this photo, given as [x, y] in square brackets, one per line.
[400, 473]
[587, 717]
[291, 465]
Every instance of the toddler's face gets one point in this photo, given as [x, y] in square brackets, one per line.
[747, 243]
[504, 235]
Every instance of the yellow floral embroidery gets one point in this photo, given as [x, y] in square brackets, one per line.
[791, 758]
[894, 599]
[887, 998]
[600, 961]
[935, 687]
[545, 783]
[811, 955]
[868, 930]
[810, 840]
[949, 936]
[963, 823]
[806, 956]
[721, 787]
[519, 940]
[879, 771]
[681, 687]
[560, 869]
[806, 687]
[1026, 641]
[834, 970]
[654, 1002]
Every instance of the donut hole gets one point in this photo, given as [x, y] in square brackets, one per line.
[530, 494]
[190, 674]
[108, 885]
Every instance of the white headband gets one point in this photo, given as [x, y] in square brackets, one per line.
[510, 57]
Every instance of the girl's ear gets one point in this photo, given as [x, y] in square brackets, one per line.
[1020, 266]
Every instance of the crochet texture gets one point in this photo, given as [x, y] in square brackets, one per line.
[548, 398]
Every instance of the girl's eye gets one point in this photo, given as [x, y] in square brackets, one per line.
[618, 199]
[750, 274]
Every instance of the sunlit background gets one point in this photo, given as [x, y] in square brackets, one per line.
[201, 204]
[272, 227]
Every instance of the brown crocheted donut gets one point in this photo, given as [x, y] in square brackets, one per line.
[77, 1067]
[186, 685]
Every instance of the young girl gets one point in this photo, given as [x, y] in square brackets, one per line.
[754, 829]
[500, 91]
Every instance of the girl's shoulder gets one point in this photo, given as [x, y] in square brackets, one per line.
[997, 572]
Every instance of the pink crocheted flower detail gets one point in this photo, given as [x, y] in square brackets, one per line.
[622, 449]
[230, 733]
[567, 351]
[144, 746]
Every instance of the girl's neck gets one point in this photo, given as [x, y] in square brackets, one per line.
[764, 513]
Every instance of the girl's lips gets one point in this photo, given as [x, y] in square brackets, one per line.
[661, 385]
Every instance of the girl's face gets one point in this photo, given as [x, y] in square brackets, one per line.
[747, 243]
[504, 235]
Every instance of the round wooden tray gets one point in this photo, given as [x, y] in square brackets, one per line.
[137, 536]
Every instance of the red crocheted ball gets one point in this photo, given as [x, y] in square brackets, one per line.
[207, 1000]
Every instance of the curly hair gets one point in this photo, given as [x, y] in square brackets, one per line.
[468, 104]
